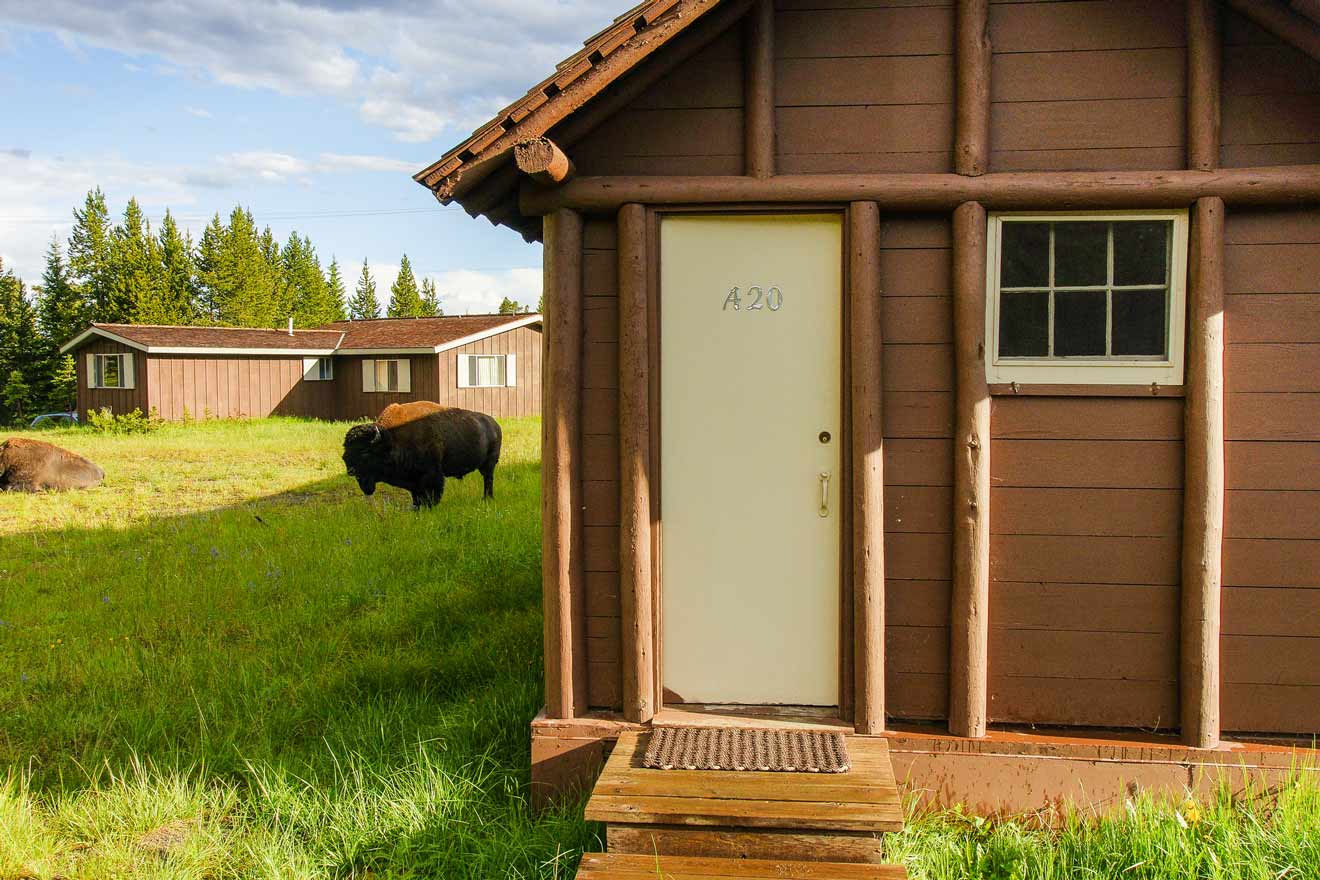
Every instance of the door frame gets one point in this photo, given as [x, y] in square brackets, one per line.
[847, 647]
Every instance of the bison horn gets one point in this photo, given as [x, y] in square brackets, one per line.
[376, 438]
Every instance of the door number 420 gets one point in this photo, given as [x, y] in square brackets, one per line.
[754, 299]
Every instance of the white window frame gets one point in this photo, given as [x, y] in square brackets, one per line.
[1082, 370]
[96, 372]
[319, 369]
[467, 369]
[371, 369]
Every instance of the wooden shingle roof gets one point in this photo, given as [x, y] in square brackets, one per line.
[424, 333]
[165, 339]
[605, 57]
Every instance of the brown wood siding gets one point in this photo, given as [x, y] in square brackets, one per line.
[600, 461]
[918, 424]
[1271, 600]
[523, 399]
[1089, 85]
[202, 387]
[353, 403]
[118, 400]
[1271, 99]
[1086, 511]
[688, 122]
[864, 87]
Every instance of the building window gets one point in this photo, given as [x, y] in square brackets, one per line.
[110, 370]
[1086, 299]
[486, 371]
[387, 375]
[320, 369]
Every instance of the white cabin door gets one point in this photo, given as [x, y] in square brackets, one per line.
[750, 425]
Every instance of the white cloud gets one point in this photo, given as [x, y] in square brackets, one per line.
[342, 162]
[421, 73]
[472, 292]
[199, 112]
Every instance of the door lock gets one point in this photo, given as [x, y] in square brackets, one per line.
[824, 436]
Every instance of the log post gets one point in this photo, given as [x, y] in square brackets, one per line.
[759, 90]
[972, 122]
[561, 470]
[635, 470]
[542, 160]
[1203, 499]
[969, 632]
[1203, 62]
[868, 513]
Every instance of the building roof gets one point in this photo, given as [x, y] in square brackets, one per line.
[166, 339]
[424, 334]
[384, 335]
[605, 57]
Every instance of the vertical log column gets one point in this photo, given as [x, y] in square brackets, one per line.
[759, 90]
[561, 469]
[1203, 62]
[972, 149]
[635, 469]
[868, 489]
[970, 625]
[1203, 499]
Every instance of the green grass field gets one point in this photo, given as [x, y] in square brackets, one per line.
[227, 663]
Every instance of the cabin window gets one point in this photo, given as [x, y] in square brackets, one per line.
[393, 374]
[1086, 299]
[487, 371]
[110, 370]
[319, 369]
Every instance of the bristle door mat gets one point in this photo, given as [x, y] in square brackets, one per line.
[742, 748]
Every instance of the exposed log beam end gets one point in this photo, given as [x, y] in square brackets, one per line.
[1203, 500]
[543, 161]
[969, 626]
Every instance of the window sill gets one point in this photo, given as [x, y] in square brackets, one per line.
[1023, 389]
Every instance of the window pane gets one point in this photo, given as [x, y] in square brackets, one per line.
[1139, 322]
[382, 375]
[1024, 255]
[1081, 254]
[110, 371]
[1079, 324]
[1024, 320]
[394, 375]
[1140, 252]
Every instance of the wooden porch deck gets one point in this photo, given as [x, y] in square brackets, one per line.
[727, 824]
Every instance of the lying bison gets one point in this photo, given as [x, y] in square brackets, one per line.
[416, 445]
[34, 465]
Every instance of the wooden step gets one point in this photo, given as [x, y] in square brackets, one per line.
[628, 866]
[807, 817]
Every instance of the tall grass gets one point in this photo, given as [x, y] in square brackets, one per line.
[227, 663]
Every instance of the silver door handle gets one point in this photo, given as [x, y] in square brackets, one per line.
[824, 493]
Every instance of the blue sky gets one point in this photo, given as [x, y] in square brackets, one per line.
[313, 113]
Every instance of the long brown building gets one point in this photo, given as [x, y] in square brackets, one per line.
[347, 370]
[951, 368]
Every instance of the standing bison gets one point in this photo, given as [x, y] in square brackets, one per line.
[416, 445]
[34, 466]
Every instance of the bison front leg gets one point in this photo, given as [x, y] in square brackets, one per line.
[429, 496]
[488, 481]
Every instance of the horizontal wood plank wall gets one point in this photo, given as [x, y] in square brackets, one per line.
[236, 387]
[600, 461]
[689, 122]
[1270, 647]
[1088, 85]
[119, 400]
[354, 403]
[864, 86]
[1271, 99]
[524, 399]
[1086, 513]
[918, 430]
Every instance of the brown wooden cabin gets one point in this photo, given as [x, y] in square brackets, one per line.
[347, 370]
[1055, 489]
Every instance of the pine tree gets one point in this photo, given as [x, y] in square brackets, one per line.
[364, 304]
[135, 290]
[335, 294]
[511, 307]
[63, 396]
[61, 309]
[236, 275]
[24, 368]
[210, 256]
[430, 299]
[176, 301]
[405, 300]
[90, 262]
